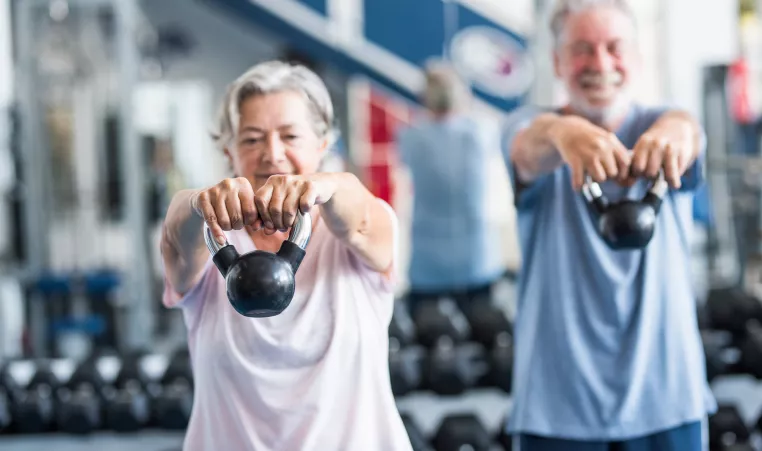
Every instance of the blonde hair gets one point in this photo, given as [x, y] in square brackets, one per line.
[445, 89]
[270, 77]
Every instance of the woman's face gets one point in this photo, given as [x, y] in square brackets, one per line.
[275, 136]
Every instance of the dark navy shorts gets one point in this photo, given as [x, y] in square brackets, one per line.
[688, 437]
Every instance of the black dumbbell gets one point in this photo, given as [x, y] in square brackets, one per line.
[417, 438]
[33, 410]
[451, 369]
[728, 309]
[401, 326]
[503, 438]
[460, 432]
[740, 447]
[405, 365]
[174, 403]
[500, 363]
[750, 347]
[727, 428]
[82, 400]
[486, 321]
[440, 318]
[137, 387]
[720, 354]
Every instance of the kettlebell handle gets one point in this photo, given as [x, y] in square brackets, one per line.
[299, 235]
[593, 193]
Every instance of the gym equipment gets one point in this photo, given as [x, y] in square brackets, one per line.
[261, 284]
[174, 403]
[751, 350]
[82, 399]
[721, 357]
[137, 386]
[727, 428]
[500, 358]
[34, 409]
[404, 367]
[417, 438]
[439, 319]
[503, 438]
[460, 432]
[729, 308]
[487, 321]
[451, 369]
[627, 224]
[401, 327]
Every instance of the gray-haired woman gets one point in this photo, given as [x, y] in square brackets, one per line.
[316, 376]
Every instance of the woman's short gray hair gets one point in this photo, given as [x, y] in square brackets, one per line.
[563, 8]
[445, 90]
[270, 77]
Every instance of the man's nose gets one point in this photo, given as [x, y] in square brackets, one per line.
[601, 60]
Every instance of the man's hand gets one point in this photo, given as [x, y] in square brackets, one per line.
[589, 150]
[671, 145]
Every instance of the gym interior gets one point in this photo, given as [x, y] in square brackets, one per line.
[105, 113]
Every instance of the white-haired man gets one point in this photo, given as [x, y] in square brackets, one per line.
[608, 352]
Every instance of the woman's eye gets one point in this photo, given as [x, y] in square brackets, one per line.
[250, 141]
[290, 137]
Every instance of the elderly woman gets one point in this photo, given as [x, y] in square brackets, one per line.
[316, 376]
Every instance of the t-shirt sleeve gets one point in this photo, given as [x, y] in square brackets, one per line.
[524, 194]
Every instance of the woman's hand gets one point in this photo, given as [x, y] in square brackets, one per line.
[228, 205]
[278, 201]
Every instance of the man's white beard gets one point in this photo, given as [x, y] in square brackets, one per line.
[602, 115]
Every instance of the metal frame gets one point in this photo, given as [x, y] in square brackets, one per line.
[138, 282]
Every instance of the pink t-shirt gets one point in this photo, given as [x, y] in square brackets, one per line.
[314, 377]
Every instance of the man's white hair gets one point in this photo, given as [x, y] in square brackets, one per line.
[563, 8]
[270, 77]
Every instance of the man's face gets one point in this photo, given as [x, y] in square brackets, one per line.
[596, 57]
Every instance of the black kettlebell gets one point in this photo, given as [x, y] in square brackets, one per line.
[261, 284]
[627, 224]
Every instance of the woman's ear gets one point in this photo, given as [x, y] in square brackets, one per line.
[228, 158]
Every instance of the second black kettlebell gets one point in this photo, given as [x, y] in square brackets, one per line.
[261, 284]
[627, 224]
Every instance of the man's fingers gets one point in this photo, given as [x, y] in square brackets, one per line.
[639, 159]
[672, 168]
[596, 171]
[656, 160]
[578, 174]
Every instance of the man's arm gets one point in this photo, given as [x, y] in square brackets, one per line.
[182, 244]
[533, 152]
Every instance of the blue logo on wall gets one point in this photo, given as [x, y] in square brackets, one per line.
[492, 60]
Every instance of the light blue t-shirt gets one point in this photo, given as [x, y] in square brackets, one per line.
[454, 244]
[607, 342]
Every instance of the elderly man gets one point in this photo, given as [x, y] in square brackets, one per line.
[608, 352]
[454, 252]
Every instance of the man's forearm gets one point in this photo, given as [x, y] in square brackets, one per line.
[182, 242]
[533, 151]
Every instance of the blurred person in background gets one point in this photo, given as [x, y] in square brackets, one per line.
[454, 248]
[315, 377]
[608, 353]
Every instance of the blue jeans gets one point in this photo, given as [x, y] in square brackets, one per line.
[688, 437]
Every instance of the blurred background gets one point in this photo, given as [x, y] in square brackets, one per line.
[105, 109]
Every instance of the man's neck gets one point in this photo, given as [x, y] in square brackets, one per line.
[609, 120]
